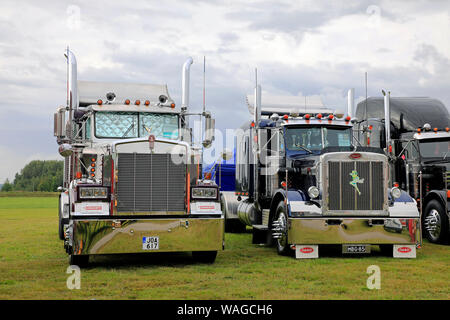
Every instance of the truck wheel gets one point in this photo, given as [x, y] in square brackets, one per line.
[282, 242]
[435, 222]
[79, 260]
[204, 256]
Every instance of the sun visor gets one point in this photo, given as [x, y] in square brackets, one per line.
[90, 92]
[288, 104]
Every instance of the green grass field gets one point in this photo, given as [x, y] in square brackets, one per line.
[33, 265]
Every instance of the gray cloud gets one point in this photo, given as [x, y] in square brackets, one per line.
[148, 42]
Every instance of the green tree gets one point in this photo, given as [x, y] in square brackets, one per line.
[7, 186]
[39, 176]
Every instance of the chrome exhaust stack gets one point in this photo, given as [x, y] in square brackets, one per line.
[387, 120]
[72, 89]
[185, 84]
[350, 102]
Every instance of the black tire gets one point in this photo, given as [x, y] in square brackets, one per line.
[204, 256]
[435, 222]
[60, 223]
[387, 250]
[79, 260]
[282, 244]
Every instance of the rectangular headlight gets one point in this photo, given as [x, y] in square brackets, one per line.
[93, 193]
[204, 193]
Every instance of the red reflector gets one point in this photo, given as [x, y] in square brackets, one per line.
[307, 116]
[348, 119]
[330, 117]
[319, 116]
[355, 155]
[147, 102]
[396, 184]
[285, 117]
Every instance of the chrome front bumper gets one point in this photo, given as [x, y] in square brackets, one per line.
[353, 231]
[125, 235]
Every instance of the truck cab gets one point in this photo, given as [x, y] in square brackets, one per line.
[420, 140]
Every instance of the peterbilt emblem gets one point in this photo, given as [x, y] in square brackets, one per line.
[404, 250]
[151, 141]
[306, 250]
[356, 180]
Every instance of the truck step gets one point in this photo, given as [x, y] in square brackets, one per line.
[260, 227]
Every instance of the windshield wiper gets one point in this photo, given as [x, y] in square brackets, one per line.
[128, 130]
[306, 149]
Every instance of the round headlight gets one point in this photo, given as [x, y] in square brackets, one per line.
[313, 192]
[396, 192]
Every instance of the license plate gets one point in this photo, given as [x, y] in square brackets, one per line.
[150, 243]
[356, 248]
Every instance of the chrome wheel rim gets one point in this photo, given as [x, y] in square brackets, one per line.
[282, 241]
[433, 224]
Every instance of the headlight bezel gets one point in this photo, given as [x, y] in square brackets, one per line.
[396, 193]
[313, 192]
[92, 193]
[198, 193]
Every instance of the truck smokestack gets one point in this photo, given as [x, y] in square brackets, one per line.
[185, 84]
[257, 106]
[72, 92]
[350, 102]
[387, 119]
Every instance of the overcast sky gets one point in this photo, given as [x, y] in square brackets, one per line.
[299, 47]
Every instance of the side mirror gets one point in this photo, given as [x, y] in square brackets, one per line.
[59, 123]
[209, 130]
[65, 150]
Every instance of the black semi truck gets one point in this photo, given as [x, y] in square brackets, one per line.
[418, 145]
[303, 182]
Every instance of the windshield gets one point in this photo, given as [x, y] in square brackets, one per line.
[317, 138]
[434, 148]
[135, 124]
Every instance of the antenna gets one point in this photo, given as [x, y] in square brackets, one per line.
[204, 87]
[365, 112]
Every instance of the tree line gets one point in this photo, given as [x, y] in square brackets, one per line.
[37, 175]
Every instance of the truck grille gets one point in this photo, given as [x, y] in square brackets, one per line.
[150, 183]
[345, 196]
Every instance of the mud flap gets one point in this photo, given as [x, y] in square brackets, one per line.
[306, 251]
[404, 251]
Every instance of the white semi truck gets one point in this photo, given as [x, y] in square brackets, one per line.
[132, 174]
